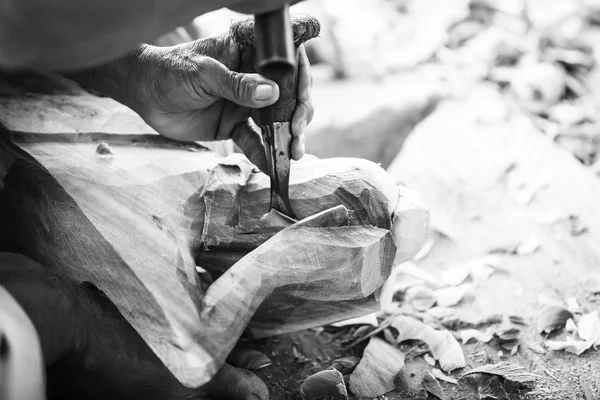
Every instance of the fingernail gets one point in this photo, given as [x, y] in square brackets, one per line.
[263, 92]
[252, 396]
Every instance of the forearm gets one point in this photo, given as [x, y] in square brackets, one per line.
[70, 34]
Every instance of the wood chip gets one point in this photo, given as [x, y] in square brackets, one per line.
[552, 318]
[377, 369]
[452, 295]
[443, 377]
[444, 346]
[324, 384]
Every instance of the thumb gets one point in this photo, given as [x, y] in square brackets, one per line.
[248, 90]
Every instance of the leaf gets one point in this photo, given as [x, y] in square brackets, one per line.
[420, 298]
[433, 387]
[552, 318]
[570, 345]
[440, 312]
[452, 295]
[530, 245]
[536, 348]
[444, 346]
[324, 384]
[409, 381]
[375, 373]
[443, 377]
[506, 334]
[517, 320]
[468, 334]
[345, 364]
[591, 284]
[508, 371]
[429, 359]
[249, 359]
[369, 319]
[588, 327]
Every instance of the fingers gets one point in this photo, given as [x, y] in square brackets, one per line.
[250, 142]
[232, 383]
[248, 90]
[304, 112]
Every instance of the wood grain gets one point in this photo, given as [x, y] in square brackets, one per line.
[135, 223]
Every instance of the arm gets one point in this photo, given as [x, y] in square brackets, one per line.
[71, 34]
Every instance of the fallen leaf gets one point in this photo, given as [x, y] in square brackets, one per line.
[591, 284]
[375, 373]
[443, 377]
[468, 334]
[588, 327]
[345, 364]
[452, 295]
[513, 373]
[440, 312]
[514, 350]
[420, 298]
[546, 300]
[552, 318]
[324, 384]
[570, 326]
[249, 359]
[433, 387]
[429, 359]
[369, 319]
[517, 320]
[456, 323]
[506, 334]
[455, 274]
[573, 305]
[536, 348]
[570, 345]
[409, 381]
[389, 336]
[444, 346]
[530, 245]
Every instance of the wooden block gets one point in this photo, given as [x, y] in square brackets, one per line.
[136, 220]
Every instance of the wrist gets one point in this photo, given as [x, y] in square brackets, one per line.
[123, 79]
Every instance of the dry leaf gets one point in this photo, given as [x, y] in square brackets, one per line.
[389, 336]
[588, 327]
[420, 298]
[591, 284]
[409, 381]
[440, 312]
[552, 318]
[369, 319]
[570, 345]
[442, 377]
[455, 274]
[515, 350]
[573, 305]
[528, 246]
[433, 387]
[546, 300]
[324, 384]
[517, 320]
[443, 345]
[377, 369]
[249, 359]
[429, 359]
[536, 348]
[468, 334]
[506, 334]
[451, 296]
[345, 364]
[513, 373]
[570, 326]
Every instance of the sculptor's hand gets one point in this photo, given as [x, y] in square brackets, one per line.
[204, 90]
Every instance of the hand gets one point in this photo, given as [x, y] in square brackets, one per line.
[205, 90]
[91, 352]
